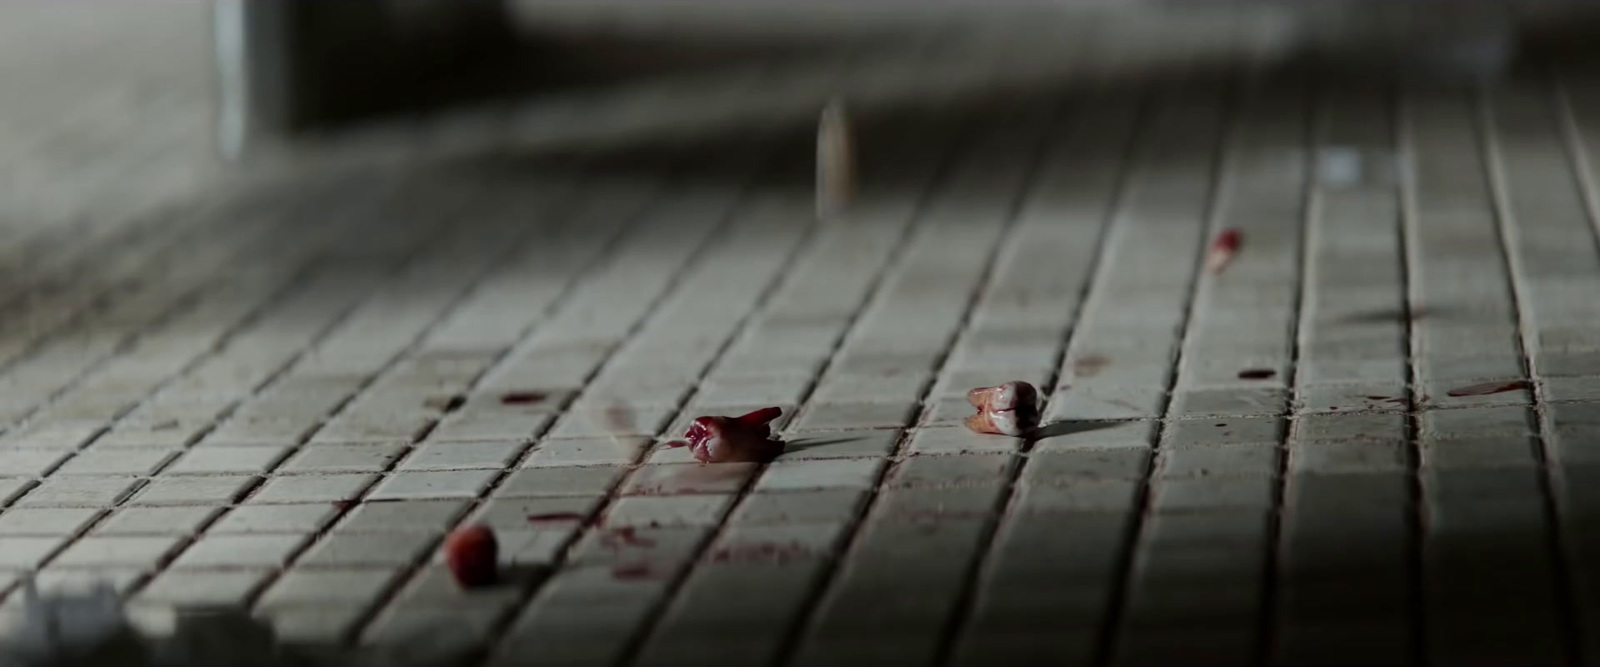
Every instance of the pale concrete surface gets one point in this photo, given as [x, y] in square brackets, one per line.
[283, 399]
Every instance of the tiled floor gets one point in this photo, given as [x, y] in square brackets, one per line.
[1369, 440]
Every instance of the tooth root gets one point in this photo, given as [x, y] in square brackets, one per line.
[835, 162]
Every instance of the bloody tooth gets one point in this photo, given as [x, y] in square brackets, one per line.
[762, 416]
[1011, 409]
[728, 439]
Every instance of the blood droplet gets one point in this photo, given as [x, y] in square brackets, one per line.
[1257, 374]
[1223, 248]
[522, 397]
[473, 556]
[1487, 388]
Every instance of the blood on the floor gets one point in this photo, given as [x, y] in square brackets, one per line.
[1223, 248]
[522, 397]
[1487, 388]
[1257, 374]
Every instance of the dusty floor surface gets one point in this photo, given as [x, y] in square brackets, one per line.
[1371, 439]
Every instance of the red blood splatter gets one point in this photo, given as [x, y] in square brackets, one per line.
[522, 397]
[472, 554]
[1223, 247]
[746, 438]
[1333, 407]
[555, 516]
[1089, 366]
[1256, 373]
[1486, 388]
[1221, 424]
[1378, 398]
[1006, 409]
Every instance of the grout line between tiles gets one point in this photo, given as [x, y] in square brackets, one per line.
[1507, 237]
[1220, 153]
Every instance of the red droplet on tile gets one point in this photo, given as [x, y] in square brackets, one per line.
[1486, 388]
[1257, 374]
[473, 556]
[522, 397]
[1223, 248]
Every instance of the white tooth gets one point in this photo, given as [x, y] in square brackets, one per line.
[1007, 398]
[1005, 421]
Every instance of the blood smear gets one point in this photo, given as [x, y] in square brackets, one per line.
[1487, 388]
[1223, 249]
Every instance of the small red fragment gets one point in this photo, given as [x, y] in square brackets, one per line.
[1223, 248]
[473, 556]
[1487, 388]
[746, 438]
[1257, 374]
[522, 397]
[1007, 409]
